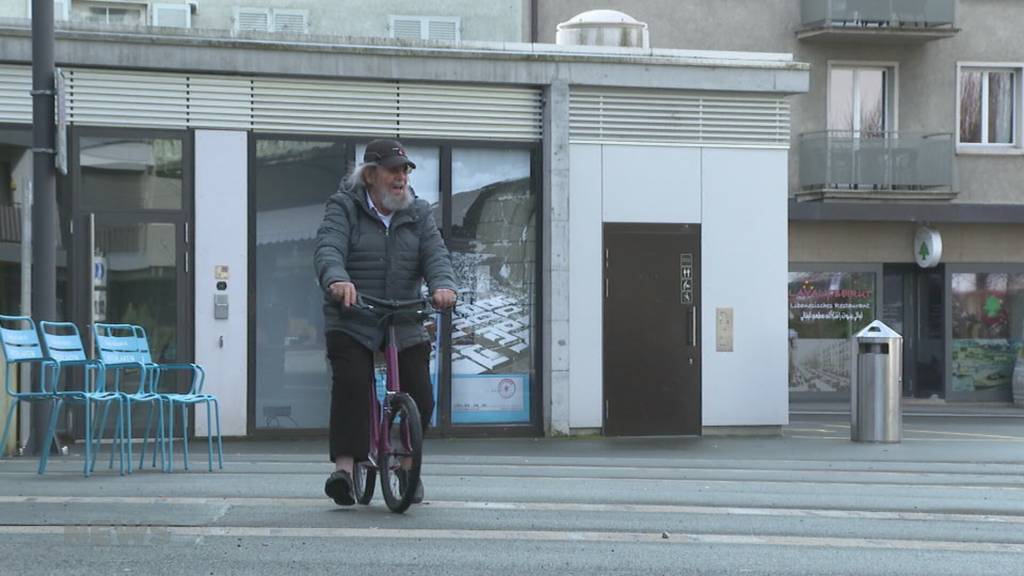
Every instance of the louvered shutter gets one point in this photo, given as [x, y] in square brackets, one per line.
[252, 19]
[672, 117]
[290, 21]
[400, 109]
[443, 29]
[15, 94]
[406, 28]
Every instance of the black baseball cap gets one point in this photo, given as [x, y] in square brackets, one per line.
[387, 153]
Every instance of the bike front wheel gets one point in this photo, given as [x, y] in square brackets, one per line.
[400, 465]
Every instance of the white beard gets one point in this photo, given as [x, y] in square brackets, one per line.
[394, 204]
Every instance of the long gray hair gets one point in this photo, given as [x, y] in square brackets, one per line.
[358, 175]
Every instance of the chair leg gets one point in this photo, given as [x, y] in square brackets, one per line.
[170, 436]
[119, 444]
[127, 435]
[163, 437]
[220, 444]
[7, 425]
[209, 437]
[145, 437]
[51, 428]
[184, 432]
[98, 435]
[90, 454]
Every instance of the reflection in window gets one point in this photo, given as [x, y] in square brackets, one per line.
[493, 244]
[140, 284]
[825, 309]
[131, 173]
[987, 102]
[292, 181]
[857, 100]
[988, 329]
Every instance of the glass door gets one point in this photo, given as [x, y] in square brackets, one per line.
[131, 214]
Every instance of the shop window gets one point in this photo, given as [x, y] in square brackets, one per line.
[988, 329]
[493, 245]
[825, 309]
[292, 180]
[131, 173]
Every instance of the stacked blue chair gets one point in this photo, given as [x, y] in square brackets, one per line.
[21, 346]
[63, 346]
[118, 349]
[193, 396]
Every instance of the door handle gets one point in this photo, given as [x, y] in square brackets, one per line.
[691, 334]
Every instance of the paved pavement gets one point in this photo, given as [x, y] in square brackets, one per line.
[947, 500]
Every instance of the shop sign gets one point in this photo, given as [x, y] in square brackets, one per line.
[927, 247]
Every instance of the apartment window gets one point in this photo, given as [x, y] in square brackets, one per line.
[424, 28]
[860, 98]
[989, 106]
[112, 13]
[271, 20]
[172, 15]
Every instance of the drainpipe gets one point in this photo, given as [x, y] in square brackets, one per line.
[533, 21]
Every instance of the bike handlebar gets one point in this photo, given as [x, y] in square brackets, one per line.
[371, 302]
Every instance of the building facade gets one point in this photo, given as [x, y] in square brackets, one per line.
[448, 21]
[910, 132]
[199, 163]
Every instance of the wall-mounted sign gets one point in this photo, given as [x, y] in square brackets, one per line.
[927, 247]
[686, 279]
[723, 329]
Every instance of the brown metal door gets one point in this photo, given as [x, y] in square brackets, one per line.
[652, 329]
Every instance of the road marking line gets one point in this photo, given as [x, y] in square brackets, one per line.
[525, 535]
[538, 507]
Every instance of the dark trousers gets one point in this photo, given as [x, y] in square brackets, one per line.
[352, 382]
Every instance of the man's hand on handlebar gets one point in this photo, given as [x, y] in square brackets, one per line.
[343, 292]
[443, 298]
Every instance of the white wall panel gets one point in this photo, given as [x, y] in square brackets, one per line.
[221, 186]
[651, 184]
[744, 267]
[585, 277]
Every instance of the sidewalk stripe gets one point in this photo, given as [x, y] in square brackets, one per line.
[522, 535]
[540, 507]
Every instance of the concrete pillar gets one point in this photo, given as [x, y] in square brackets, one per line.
[555, 210]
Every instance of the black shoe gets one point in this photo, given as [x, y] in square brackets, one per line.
[417, 495]
[339, 487]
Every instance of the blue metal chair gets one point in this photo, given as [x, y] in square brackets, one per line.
[63, 345]
[21, 346]
[118, 349]
[194, 396]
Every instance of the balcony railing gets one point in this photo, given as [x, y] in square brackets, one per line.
[925, 19]
[876, 165]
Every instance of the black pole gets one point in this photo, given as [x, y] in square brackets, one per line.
[44, 191]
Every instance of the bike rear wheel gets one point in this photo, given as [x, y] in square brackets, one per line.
[400, 465]
[365, 478]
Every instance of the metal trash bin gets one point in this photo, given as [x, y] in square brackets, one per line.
[877, 385]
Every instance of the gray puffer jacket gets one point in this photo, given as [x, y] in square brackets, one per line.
[353, 245]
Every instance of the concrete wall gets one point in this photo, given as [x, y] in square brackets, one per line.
[743, 254]
[742, 213]
[494, 20]
[990, 32]
[222, 228]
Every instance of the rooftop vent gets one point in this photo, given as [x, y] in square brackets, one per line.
[603, 28]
